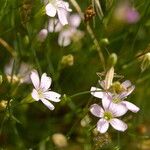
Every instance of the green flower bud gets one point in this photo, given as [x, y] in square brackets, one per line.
[67, 60]
[3, 104]
[1, 79]
[112, 60]
[104, 41]
[145, 62]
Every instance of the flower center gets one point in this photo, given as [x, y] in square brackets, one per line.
[108, 115]
[40, 92]
[117, 88]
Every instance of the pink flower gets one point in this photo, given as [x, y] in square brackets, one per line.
[42, 35]
[108, 116]
[116, 94]
[125, 13]
[41, 90]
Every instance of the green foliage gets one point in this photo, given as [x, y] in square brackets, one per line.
[106, 42]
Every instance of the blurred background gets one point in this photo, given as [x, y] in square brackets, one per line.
[26, 43]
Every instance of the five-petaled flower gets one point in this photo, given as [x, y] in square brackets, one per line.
[60, 8]
[41, 90]
[116, 94]
[108, 116]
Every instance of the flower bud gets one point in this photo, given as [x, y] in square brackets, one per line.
[104, 41]
[1, 79]
[67, 60]
[3, 104]
[112, 60]
[42, 35]
[59, 140]
[145, 62]
[26, 40]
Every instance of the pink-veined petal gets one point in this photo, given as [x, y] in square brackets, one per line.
[53, 96]
[50, 10]
[118, 124]
[45, 82]
[62, 16]
[102, 125]
[118, 109]
[96, 92]
[96, 110]
[47, 104]
[123, 95]
[131, 106]
[35, 95]
[35, 79]
[106, 100]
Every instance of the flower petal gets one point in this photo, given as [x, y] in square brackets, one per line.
[35, 79]
[45, 82]
[126, 84]
[74, 20]
[47, 104]
[102, 125]
[123, 95]
[50, 10]
[53, 96]
[62, 16]
[35, 95]
[64, 38]
[118, 124]
[131, 106]
[96, 92]
[118, 109]
[54, 25]
[106, 100]
[96, 110]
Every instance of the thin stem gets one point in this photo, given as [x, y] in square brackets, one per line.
[91, 33]
[83, 93]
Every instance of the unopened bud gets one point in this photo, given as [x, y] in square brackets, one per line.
[1, 79]
[112, 60]
[26, 40]
[145, 62]
[42, 35]
[3, 104]
[104, 41]
[59, 140]
[67, 60]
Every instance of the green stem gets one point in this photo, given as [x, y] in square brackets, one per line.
[83, 93]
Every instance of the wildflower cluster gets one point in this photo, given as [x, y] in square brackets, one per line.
[66, 24]
[113, 97]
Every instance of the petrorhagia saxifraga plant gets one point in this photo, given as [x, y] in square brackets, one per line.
[113, 98]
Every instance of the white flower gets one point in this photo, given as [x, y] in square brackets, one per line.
[118, 101]
[108, 116]
[22, 75]
[54, 25]
[116, 94]
[71, 32]
[41, 90]
[60, 8]
[124, 89]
